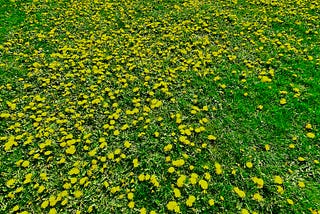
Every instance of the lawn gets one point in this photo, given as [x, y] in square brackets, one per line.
[159, 106]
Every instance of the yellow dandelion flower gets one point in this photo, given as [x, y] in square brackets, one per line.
[106, 184]
[257, 197]
[181, 180]
[27, 178]
[218, 168]
[52, 200]
[171, 169]
[178, 163]
[130, 195]
[141, 177]
[135, 162]
[116, 132]
[278, 180]
[311, 135]
[211, 202]
[71, 150]
[249, 164]
[280, 189]
[173, 206]
[212, 137]
[258, 181]
[283, 101]
[193, 179]
[15, 208]
[77, 194]
[44, 204]
[176, 192]
[127, 144]
[203, 184]
[74, 171]
[10, 182]
[168, 148]
[25, 163]
[290, 201]
[207, 176]
[301, 184]
[244, 211]
[156, 134]
[131, 205]
[239, 192]
[267, 147]
[143, 210]
[41, 189]
[191, 199]
[308, 126]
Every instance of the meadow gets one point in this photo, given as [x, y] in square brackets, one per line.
[169, 106]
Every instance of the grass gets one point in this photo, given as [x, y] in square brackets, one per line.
[141, 107]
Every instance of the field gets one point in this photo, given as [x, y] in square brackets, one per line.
[169, 106]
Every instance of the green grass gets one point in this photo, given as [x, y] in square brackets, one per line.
[81, 79]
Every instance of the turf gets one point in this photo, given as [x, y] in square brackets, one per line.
[159, 106]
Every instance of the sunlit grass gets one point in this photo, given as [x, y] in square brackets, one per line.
[159, 107]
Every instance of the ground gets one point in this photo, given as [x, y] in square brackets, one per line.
[159, 106]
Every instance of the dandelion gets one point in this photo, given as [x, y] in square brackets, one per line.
[308, 126]
[249, 165]
[141, 177]
[258, 181]
[77, 194]
[218, 168]
[71, 150]
[244, 211]
[257, 197]
[27, 178]
[25, 163]
[211, 202]
[278, 180]
[280, 189]
[168, 148]
[127, 144]
[267, 147]
[301, 184]
[143, 210]
[178, 163]
[239, 192]
[191, 199]
[193, 179]
[211, 137]
[131, 205]
[135, 162]
[15, 208]
[203, 184]
[130, 195]
[283, 101]
[171, 169]
[173, 206]
[181, 180]
[290, 201]
[10, 183]
[311, 135]
[44, 204]
[176, 192]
